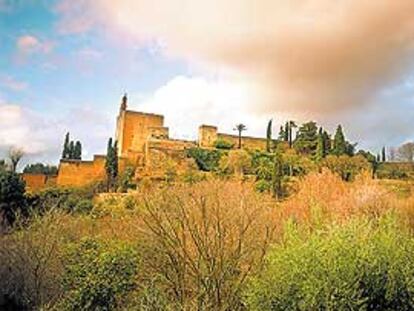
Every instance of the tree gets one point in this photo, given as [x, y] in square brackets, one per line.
[392, 154]
[345, 166]
[327, 142]
[339, 143]
[277, 176]
[240, 128]
[281, 133]
[12, 199]
[286, 138]
[71, 151]
[269, 135]
[40, 168]
[111, 164]
[307, 139]
[292, 124]
[406, 152]
[77, 152]
[65, 152]
[371, 159]
[15, 155]
[383, 156]
[320, 146]
[237, 162]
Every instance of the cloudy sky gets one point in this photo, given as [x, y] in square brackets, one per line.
[65, 64]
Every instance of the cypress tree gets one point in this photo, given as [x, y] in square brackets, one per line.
[115, 163]
[71, 152]
[292, 124]
[286, 138]
[77, 154]
[111, 163]
[339, 143]
[269, 135]
[320, 146]
[384, 157]
[281, 133]
[277, 176]
[327, 142]
[65, 152]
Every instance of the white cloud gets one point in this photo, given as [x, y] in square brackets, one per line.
[188, 102]
[29, 44]
[11, 83]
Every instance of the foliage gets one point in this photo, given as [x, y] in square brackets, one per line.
[12, 199]
[307, 139]
[66, 147]
[345, 166]
[111, 164]
[223, 144]
[296, 164]
[277, 176]
[170, 171]
[263, 185]
[15, 155]
[363, 265]
[64, 199]
[203, 242]
[339, 142]
[237, 162]
[406, 152]
[126, 178]
[98, 274]
[77, 151]
[206, 160]
[40, 168]
[71, 150]
[262, 164]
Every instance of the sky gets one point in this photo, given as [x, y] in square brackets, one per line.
[64, 66]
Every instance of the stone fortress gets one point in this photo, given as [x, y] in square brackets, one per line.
[144, 144]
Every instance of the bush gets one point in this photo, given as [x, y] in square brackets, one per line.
[364, 265]
[223, 144]
[98, 274]
[345, 166]
[263, 185]
[12, 199]
[206, 160]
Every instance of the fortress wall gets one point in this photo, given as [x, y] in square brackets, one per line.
[207, 135]
[80, 173]
[34, 182]
[158, 132]
[133, 129]
[161, 154]
[247, 142]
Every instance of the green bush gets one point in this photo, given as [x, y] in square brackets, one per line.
[364, 265]
[262, 185]
[98, 275]
[12, 199]
[223, 144]
[206, 160]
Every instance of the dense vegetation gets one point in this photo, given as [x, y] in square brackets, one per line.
[304, 225]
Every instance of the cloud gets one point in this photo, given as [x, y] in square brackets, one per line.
[12, 84]
[320, 55]
[187, 102]
[29, 44]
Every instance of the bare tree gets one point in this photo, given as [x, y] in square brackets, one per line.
[15, 155]
[406, 152]
[392, 154]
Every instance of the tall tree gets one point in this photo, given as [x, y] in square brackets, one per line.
[292, 125]
[307, 138]
[15, 155]
[240, 128]
[77, 152]
[281, 133]
[320, 146]
[65, 152]
[111, 164]
[286, 138]
[339, 143]
[277, 175]
[327, 142]
[71, 151]
[12, 198]
[383, 156]
[269, 135]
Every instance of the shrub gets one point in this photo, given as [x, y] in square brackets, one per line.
[12, 199]
[223, 144]
[206, 160]
[98, 274]
[363, 265]
[237, 162]
[263, 185]
[345, 166]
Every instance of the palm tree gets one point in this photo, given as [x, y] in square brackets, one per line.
[240, 128]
